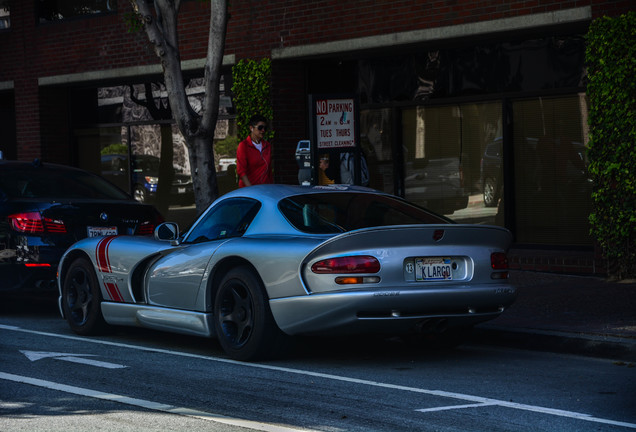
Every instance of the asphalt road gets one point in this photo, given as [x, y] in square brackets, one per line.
[133, 379]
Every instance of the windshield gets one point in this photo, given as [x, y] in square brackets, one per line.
[327, 213]
[52, 183]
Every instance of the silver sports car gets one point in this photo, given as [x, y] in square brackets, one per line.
[269, 261]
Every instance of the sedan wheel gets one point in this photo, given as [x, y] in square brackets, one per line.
[81, 299]
[243, 320]
[139, 194]
[490, 192]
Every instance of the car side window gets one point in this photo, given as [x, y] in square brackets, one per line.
[229, 218]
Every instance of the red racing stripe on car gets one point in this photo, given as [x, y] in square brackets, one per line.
[113, 291]
[101, 254]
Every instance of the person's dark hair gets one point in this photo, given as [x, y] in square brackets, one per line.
[256, 119]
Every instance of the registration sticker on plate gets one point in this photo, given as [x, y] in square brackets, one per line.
[101, 231]
[433, 268]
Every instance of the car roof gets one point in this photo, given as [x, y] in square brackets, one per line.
[271, 221]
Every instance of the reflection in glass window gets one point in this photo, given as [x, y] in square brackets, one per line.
[56, 10]
[377, 148]
[551, 183]
[444, 150]
[5, 14]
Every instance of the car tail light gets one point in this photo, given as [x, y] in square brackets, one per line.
[55, 226]
[354, 280]
[145, 228]
[34, 223]
[348, 264]
[499, 262]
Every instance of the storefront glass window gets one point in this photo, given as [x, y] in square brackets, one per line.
[93, 143]
[136, 132]
[445, 149]
[552, 188]
[57, 10]
[376, 142]
[5, 14]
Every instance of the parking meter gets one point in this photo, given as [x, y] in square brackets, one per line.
[304, 160]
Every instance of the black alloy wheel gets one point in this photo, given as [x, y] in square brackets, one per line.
[81, 299]
[243, 320]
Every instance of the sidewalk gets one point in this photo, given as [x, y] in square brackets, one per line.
[576, 314]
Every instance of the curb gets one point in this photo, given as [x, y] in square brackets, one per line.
[602, 346]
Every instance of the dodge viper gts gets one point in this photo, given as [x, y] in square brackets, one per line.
[269, 261]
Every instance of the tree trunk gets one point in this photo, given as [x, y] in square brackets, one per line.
[203, 171]
[166, 170]
[197, 129]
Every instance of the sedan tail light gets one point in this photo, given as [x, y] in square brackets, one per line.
[347, 265]
[34, 223]
[145, 228]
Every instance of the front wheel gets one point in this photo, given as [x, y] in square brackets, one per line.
[243, 319]
[81, 299]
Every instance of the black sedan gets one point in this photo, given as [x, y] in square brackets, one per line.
[45, 208]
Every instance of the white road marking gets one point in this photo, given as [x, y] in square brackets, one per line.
[460, 396]
[444, 408]
[155, 406]
[74, 358]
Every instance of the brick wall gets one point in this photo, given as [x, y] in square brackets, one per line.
[54, 125]
[254, 29]
[583, 262]
[290, 122]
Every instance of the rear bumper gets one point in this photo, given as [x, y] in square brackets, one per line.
[392, 310]
[18, 278]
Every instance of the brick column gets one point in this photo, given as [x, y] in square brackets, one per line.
[27, 117]
[27, 101]
[290, 118]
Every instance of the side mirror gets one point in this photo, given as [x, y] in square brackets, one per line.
[167, 231]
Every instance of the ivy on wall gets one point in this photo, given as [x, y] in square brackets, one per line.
[611, 61]
[251, 88]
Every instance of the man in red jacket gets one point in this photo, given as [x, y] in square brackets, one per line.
[254, 155]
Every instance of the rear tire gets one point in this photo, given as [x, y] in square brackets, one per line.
[81, 299]
[243, 319]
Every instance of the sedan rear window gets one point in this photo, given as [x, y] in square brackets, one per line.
[330, 213]
[57, 184]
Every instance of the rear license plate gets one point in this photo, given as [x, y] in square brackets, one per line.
[433, 268]
[101, 231]
[181, 190]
